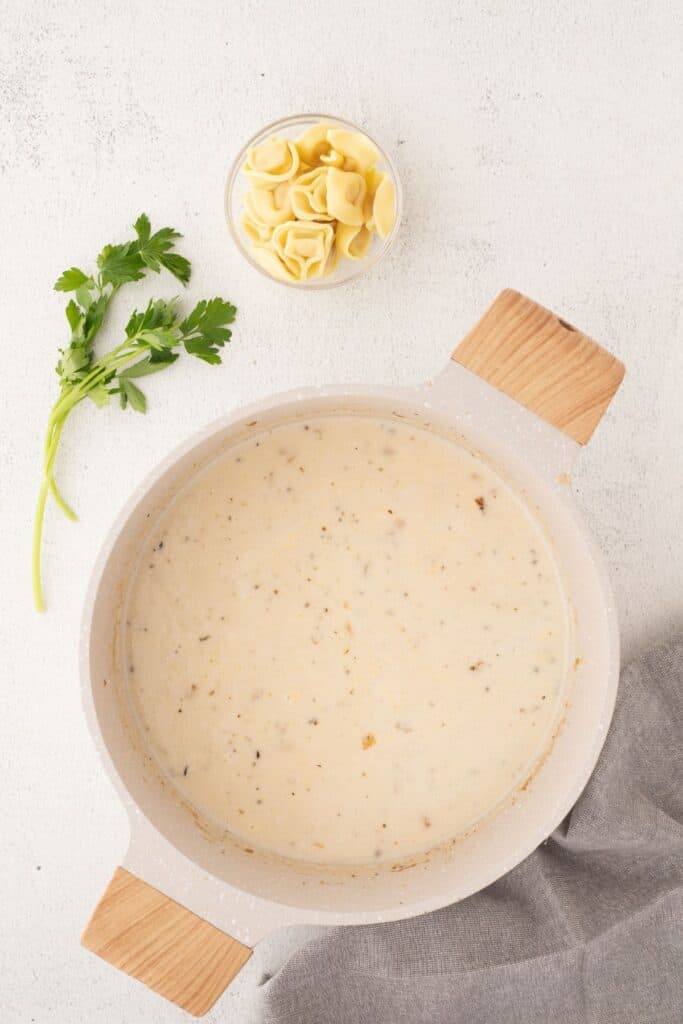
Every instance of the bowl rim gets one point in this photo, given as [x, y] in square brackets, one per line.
[316, 283]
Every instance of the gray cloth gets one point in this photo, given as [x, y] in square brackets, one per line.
[587, 930]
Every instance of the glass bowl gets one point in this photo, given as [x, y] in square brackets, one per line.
[238, 184]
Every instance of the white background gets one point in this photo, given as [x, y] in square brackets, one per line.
[539, 146]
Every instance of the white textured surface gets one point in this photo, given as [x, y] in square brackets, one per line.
[539, 147]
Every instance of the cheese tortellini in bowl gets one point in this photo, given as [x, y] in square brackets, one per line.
[313, 201]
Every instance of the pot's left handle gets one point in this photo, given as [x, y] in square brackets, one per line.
[165, 946]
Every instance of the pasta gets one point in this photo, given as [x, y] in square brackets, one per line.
[383, 207]
[257, 232]
[309, 195]
[345, 195]
[267, 258]
[373, 178]
[333, 159]
[353, 242]
[273, 161]
[355, 146]
[315, 201]
[303, 247]
[313, 143]
[269, 206]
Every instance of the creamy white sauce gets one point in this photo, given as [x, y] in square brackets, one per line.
[346, 640]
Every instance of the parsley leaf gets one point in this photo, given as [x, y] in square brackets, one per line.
[176, 265]
[131, 393]
[74, 315]
[143, 228]
[120, 264]
[204, 331]
[148, 365]
[155, 249]
[71, 280]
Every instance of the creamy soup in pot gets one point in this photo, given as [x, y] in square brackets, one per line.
[346, 640]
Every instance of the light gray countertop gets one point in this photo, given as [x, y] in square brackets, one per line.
[539, 147]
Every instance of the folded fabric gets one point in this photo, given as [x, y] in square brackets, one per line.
[587, 930]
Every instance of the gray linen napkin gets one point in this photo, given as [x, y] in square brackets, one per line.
[587, 930]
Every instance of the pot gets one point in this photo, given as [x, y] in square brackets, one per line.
[524, 391]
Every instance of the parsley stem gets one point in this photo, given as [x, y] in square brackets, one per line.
[104, 366]
[71, 397]
[61, 501]
[48, 484]
[56, 493]
[37, 543]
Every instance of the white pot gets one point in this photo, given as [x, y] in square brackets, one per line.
[523, 391]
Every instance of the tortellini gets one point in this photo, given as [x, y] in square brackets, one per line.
[383, 207]
[345, 194]
[333, 159]
[354, 146]
[309, 195]
[353, 242]
[303, 247]
[275, 160]
[265, 208]
[313, 143]
[267, 258]
[315, 201]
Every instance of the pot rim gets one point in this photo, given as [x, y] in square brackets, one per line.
[560, 449]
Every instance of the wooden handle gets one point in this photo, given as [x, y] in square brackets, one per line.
[543, 362]
[168, 948]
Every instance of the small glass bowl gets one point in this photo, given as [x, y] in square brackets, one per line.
[238, 184]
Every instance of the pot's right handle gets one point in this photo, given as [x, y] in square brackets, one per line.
[165, 946]
[543, 363]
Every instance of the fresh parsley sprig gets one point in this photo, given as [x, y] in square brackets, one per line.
[153, 341]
